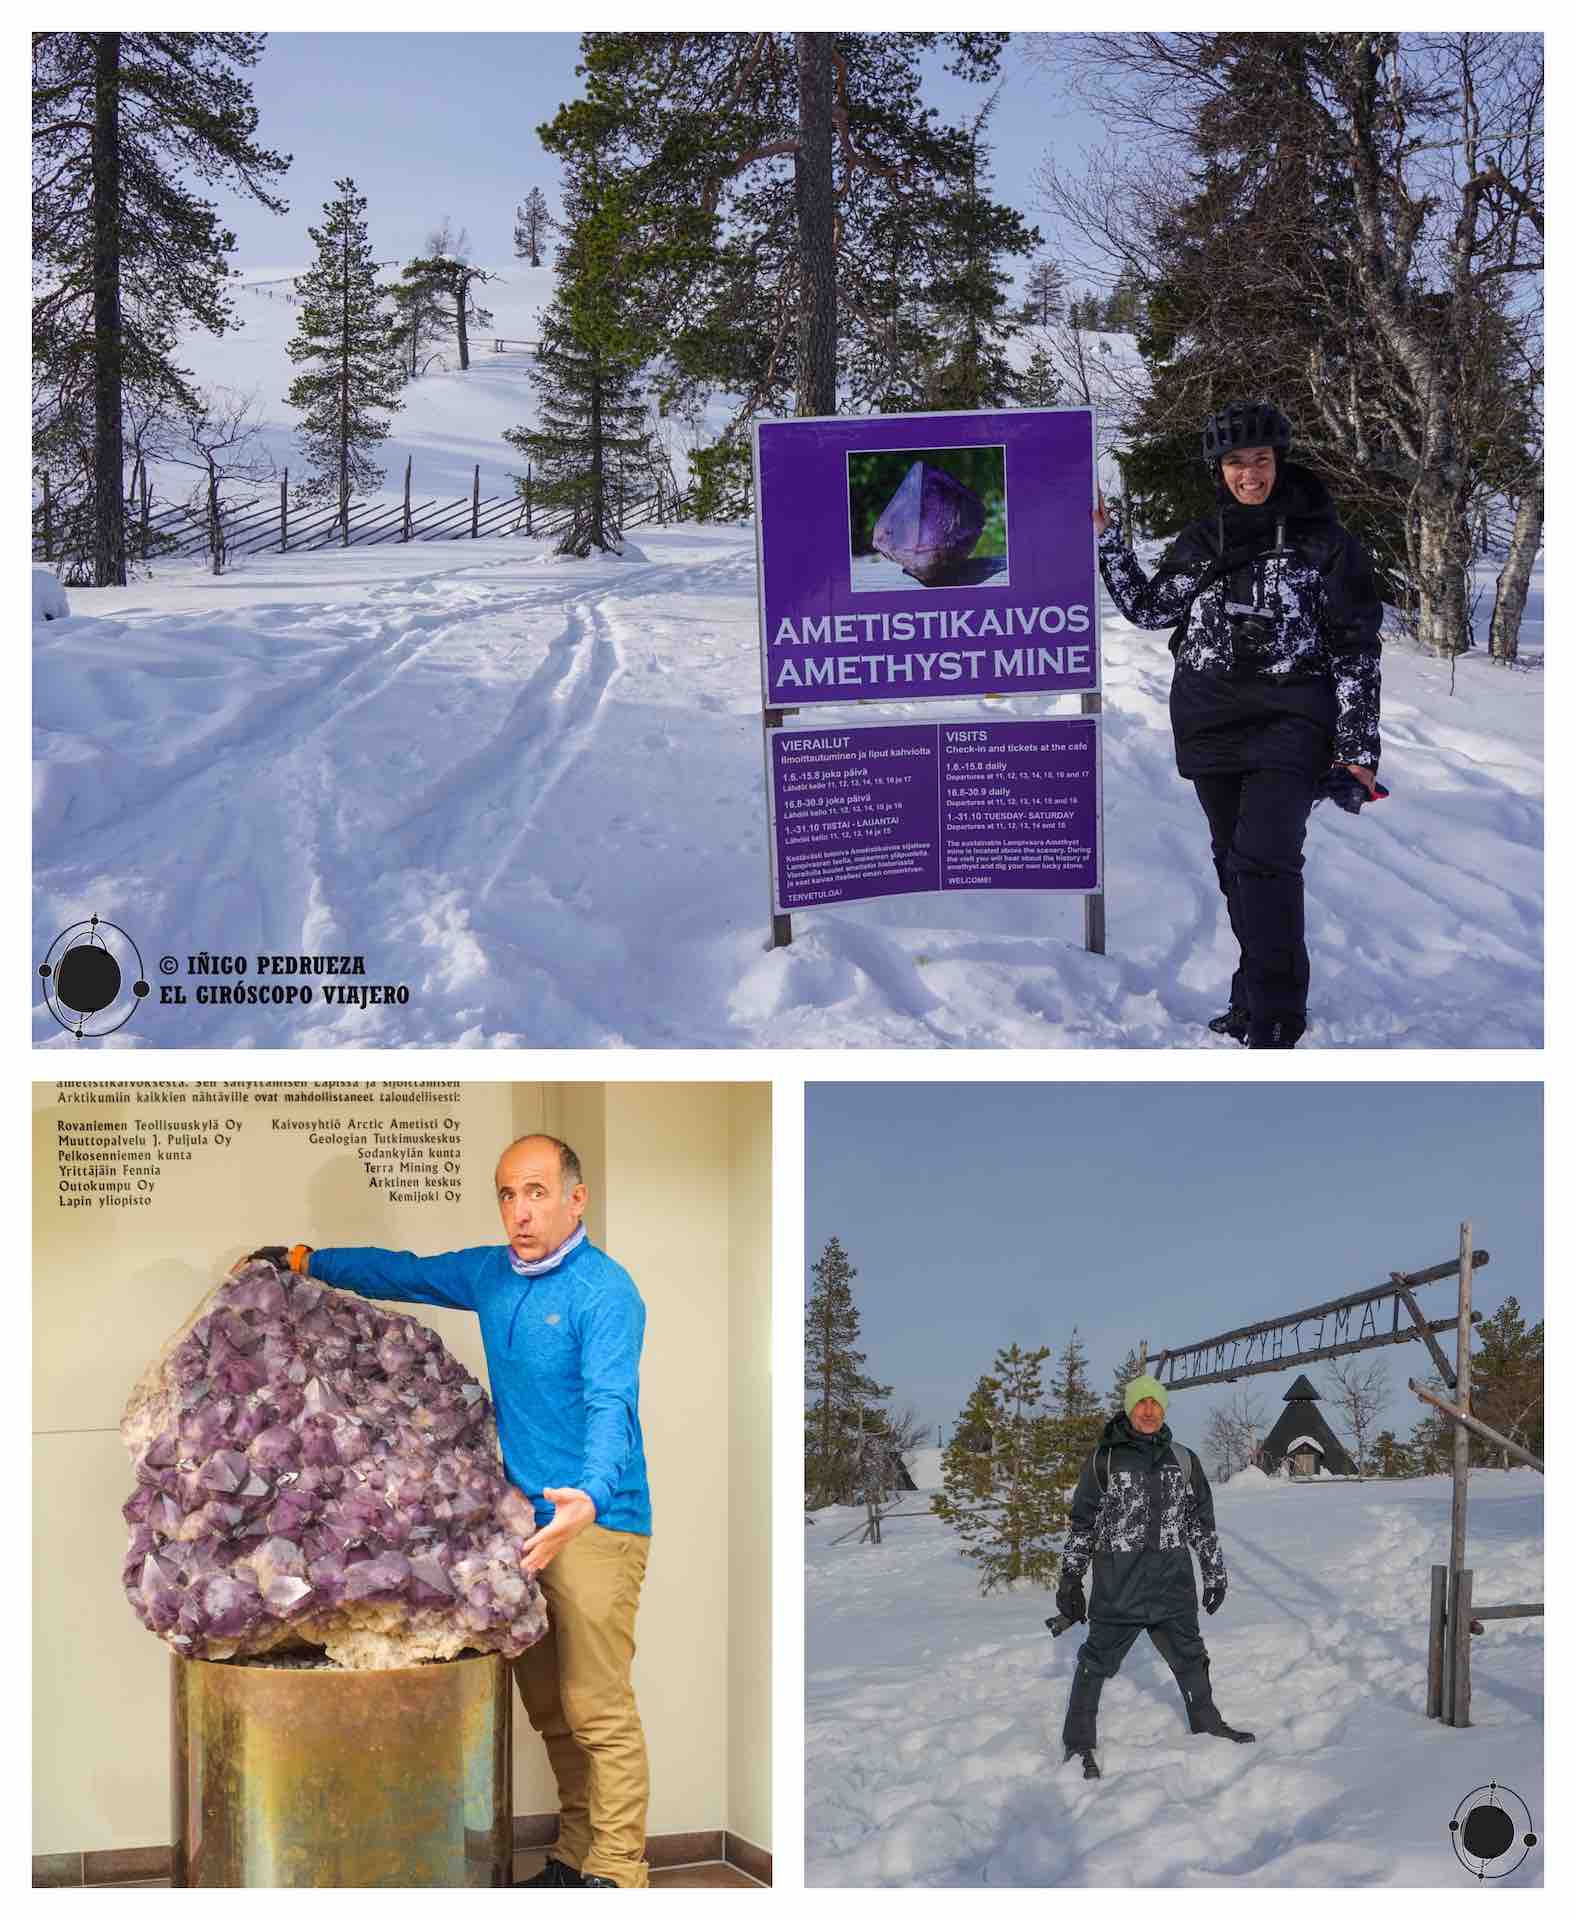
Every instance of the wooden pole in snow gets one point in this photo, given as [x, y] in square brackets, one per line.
[1458, 1704]
[476, 495]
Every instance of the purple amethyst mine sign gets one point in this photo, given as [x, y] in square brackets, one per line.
[930, 525]
[312, 1469]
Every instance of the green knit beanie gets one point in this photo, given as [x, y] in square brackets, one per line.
[1145, 1387]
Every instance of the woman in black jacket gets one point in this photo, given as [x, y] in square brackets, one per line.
[1276, 619]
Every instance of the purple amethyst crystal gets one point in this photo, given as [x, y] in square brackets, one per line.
[311, 1468]
[930, 525]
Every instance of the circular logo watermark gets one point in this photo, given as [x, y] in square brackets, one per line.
[93, 978]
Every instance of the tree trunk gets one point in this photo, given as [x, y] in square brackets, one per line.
[1444, 544]
[109, 521]
[344, 391]
[1510, 589]
[459, 324]
[812, 175]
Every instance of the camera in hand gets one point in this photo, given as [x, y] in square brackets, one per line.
[1252, 634]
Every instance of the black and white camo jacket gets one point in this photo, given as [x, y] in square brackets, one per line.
[1313, 608]
[1139, 1520]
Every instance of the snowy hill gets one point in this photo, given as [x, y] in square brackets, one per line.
[530, 792]
[932, 1744]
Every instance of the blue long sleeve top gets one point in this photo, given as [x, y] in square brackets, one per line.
[563, 1361]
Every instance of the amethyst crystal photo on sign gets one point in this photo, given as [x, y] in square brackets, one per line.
[927, 517]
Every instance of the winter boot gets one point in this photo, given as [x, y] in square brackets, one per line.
[1091, 1767]
[1203, 1716]
[1232, 1025]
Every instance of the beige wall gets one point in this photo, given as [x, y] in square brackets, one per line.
[750, 1478]
[677, 1175]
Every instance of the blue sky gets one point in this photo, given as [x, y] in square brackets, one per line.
[435, 123]
[977, 1215]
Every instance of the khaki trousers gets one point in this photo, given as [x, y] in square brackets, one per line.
[576, 1687]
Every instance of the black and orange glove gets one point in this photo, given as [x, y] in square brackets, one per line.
[286, 1259]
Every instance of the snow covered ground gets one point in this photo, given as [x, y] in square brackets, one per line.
[932, 1741]
[530, 791]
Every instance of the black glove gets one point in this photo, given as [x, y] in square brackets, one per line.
[1214, 1593]
[1070, 1599]
[1347, 791]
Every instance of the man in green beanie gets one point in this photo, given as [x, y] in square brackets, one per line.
[1141, 1503]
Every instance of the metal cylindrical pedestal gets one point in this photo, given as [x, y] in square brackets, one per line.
[322, 1777]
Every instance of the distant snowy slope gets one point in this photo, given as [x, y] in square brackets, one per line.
[932, 1742]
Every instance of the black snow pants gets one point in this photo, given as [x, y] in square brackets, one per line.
[1257, 823]
[1179, 1644]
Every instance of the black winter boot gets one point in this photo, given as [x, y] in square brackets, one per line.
[1091, 1767]
[1203, 1716]
[1232, 1025]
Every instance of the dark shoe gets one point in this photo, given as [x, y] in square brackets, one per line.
[556, 1874]
[1232, 1025]
[1275, 1033]
[1091, 1770]
[596, 1880]
[1224, 1732]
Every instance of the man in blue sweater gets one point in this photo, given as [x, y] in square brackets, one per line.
[562, 1325]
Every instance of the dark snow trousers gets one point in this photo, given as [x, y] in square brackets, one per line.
[1179, 1644]
[1257, 823]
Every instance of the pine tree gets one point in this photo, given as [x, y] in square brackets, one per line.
[1008, 1505]
[1075, 1406]
[773, 167]
[1507, 1383]
[531, 224]
[840, 1394]
[419, 319]
[124, 254]
[972, 323]
[353, 377]
[590, 436]
[1393, 1456]
[450, 276]
[1131, 1367]
[1045, 295]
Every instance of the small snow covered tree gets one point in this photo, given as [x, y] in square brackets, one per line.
[353, 375]
[532, 223]
[590, 436]
[1008, 1505]
[841, 1399]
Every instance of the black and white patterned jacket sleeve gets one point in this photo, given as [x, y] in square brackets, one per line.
[1349, 629]
[1145, 602]
[1198, 1509]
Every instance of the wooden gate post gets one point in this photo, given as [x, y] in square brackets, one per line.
[476, 495]
[404, 532]
[1460, 1639]
[1434, 1705]
[284, 513]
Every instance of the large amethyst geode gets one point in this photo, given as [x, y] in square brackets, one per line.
[930, 524]
[311, 1468]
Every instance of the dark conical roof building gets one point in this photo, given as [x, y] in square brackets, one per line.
[1302, 1435]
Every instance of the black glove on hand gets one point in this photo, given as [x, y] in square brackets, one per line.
[1214, 1593]
[1070, 1599]
[275, 1256]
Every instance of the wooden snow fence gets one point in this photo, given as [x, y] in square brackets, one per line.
[259, 523]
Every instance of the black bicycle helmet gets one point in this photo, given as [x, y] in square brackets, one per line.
[1245, 423]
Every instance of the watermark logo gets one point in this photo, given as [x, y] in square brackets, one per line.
[1489, 1839]
[93, 978]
